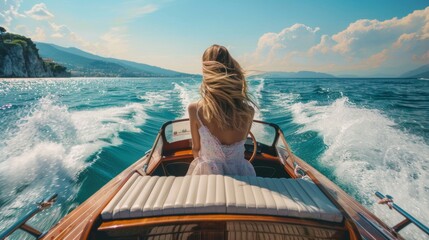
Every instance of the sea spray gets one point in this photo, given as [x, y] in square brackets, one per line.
[188, 93]
[262, 133]
[256, 87]
[51, 145]
[157, 99]
[367, 151]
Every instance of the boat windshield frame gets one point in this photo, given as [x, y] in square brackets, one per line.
[163, 141]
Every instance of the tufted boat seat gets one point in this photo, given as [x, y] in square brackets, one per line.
[144, 196]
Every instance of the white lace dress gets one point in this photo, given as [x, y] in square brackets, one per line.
[215, 158]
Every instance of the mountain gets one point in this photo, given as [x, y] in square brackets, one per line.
[348, 76]
[301, 74]
[19, 57]
[82, 63]
[421, 72]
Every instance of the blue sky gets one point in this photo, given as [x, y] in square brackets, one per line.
[363, 38]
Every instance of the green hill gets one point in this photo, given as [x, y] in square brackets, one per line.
[82, 63]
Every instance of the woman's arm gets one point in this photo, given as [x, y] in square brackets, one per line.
[192, 110]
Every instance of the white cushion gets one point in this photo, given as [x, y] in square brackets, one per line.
[144, 196]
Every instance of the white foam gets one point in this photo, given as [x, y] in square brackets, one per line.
[188, 93]
[158, 99]
[261, 132]
[258, 94]
[367, 150]
[50, 146]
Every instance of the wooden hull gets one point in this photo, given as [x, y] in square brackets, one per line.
[85, 222]
[78, 223]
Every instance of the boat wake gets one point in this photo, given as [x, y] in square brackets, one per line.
[158, 99]
[45, 151]
[188, 93]
[368, 152]
[257, 92]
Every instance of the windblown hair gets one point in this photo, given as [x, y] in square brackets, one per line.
[224, 90]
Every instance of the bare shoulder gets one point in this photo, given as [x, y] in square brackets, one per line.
[192, 109]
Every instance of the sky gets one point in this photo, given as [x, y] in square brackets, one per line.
[362, 38]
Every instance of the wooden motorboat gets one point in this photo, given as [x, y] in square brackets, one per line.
[154, 199]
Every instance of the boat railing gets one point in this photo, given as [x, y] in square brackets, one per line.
[22, 223]
[388, 200]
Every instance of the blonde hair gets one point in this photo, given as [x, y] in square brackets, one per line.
[224, 90]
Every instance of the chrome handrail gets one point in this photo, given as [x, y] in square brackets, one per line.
[408, 218]
[22, 223]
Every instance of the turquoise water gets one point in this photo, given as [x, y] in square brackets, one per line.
[71, 136]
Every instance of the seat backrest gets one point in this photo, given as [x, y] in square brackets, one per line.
[144, 196]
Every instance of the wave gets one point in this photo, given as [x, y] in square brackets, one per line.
[368, 151]
[261, 132]
[156, 99]
[51, 145]
[188, 93]
[257, 92]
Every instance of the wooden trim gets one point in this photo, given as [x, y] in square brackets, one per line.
[96, 216]
[268, 157]
[75, 223]
[187, 154]
[150, 169]
[255, 147]
[164, 220]
[179, 155]
[349, 222]
[352, 229]
[31, 230]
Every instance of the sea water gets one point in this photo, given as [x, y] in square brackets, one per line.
[71, 136]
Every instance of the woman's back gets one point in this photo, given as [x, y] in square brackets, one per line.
[225, 136]
[217, 157]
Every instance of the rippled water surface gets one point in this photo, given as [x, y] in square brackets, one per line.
[71, 136]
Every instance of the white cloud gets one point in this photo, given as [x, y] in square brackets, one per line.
[134, 11]
[295, 38]
[64, 36]
[40, 34]
[114, 43]
[364, 37]
[274, 48]
[150, 8]
[60, 31]
[9, 10]
[397, 44]
[40, 12]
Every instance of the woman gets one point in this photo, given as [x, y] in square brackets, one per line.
[221, 120]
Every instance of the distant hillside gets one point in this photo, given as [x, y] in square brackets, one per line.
[348, 76]
[421, 72]
[301, 74]
[82, 63]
